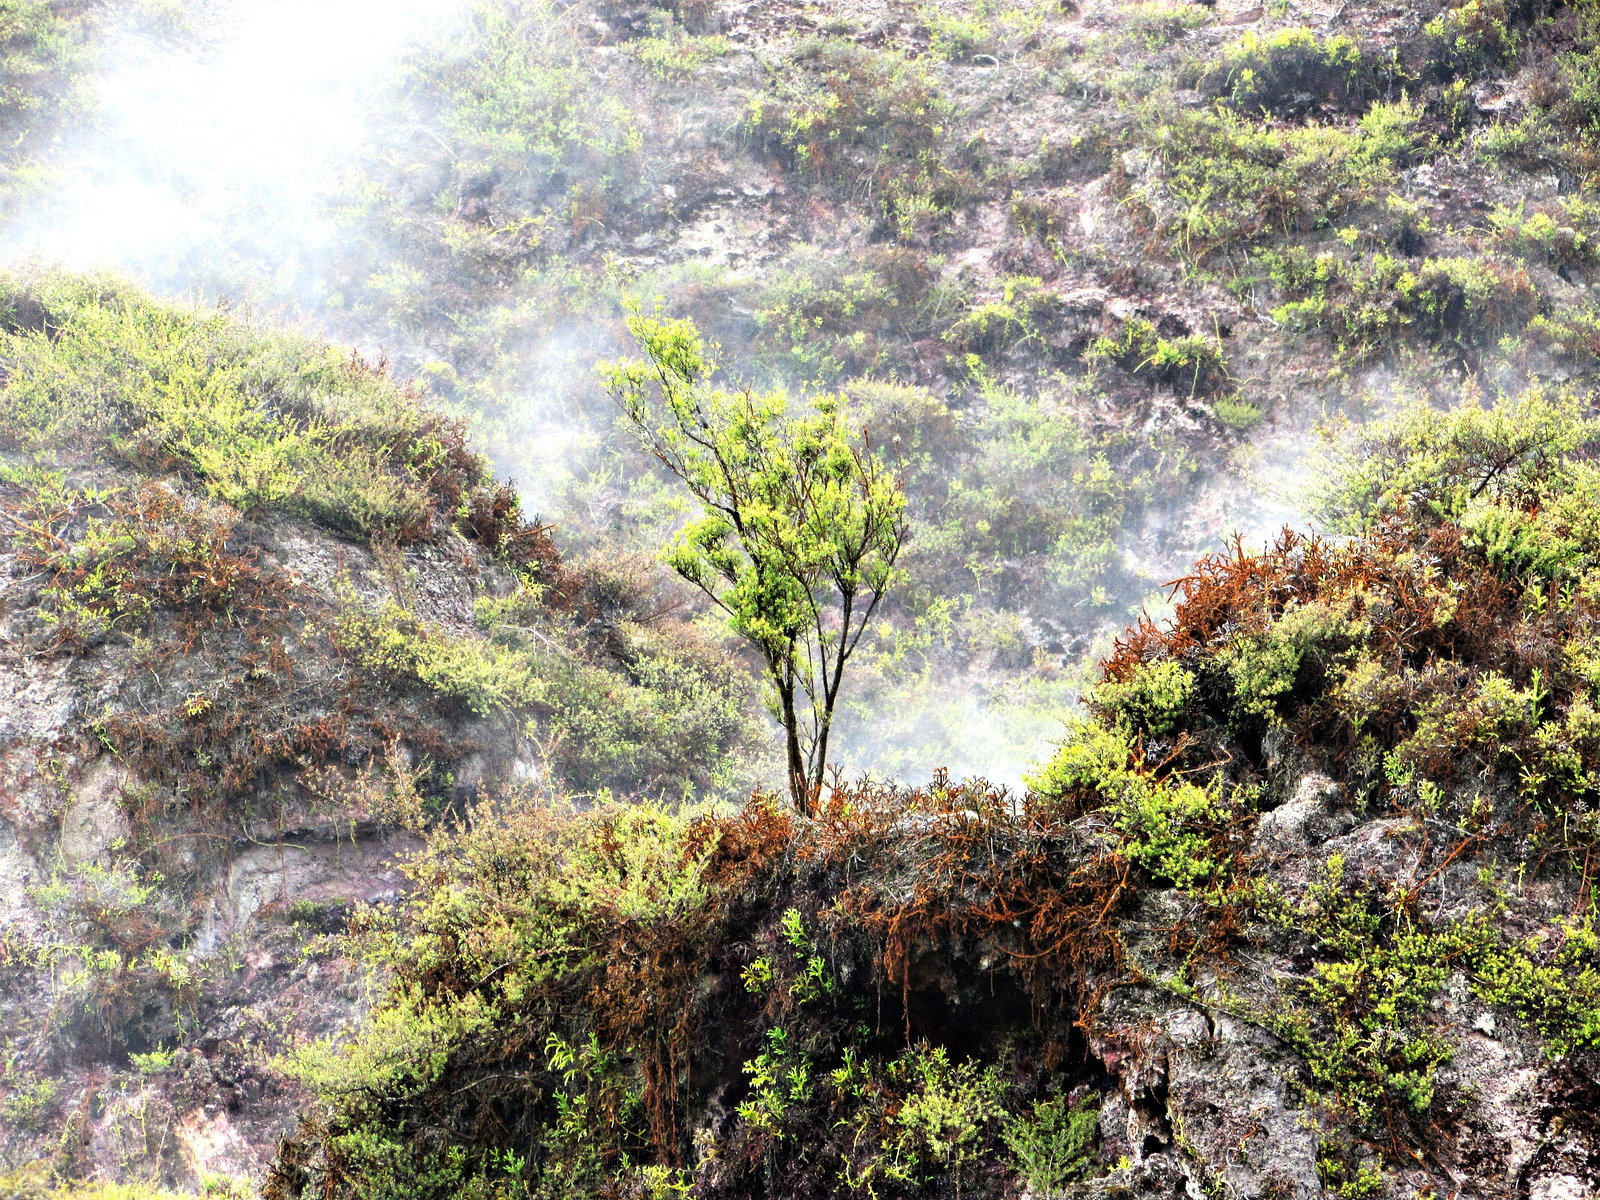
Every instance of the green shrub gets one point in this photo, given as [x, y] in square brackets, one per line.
[483, 675]
[1036, 488]
[834, 104]
[663, 714]
[914, 426]
[1155, 24]
[34, 1182]
[526, 901]
[1543, 237]
[152, 1062]
[1235, 414]
[518, 103]
[1053, 1147]
[1193, 364]
[1364, 1032]
[1470, 38]
[44, 52]
[832, 322]
[1532, 141]
[1435, 465]
[676, 56]
[1154, 700]
[947, 1112]
[873, 119]
[1264, 668]
[1267, 72]
[973, 29]
[1011, 319]
[1368, 303]
[915, 1115]
[1551, 983]
[29, 1103]
[94, 368]
[1221, 179]
[1167, 825]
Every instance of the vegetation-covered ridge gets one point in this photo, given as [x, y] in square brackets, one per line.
[1333, 819]
[97, 373]
[262, 615]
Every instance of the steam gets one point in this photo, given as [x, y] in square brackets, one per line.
[219, 138]
[224, 136]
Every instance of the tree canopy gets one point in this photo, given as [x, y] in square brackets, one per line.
[799, 528]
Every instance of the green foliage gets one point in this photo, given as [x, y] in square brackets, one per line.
[1470, 38]
[485, 676]
[1035, 484]
[977, 29]
[648, 868]
[915, 1115]
[1346, 1181]
[401, 1050]
[1219, 180]
[1155, 24]
[1364, 1032]
[1053, 1147]
[911, 424]
[1531, 141]
[1267, 71]
[835, 104]
[1264, 668]
[676, 56]
[846, 113]
[259, 421]
[948, 1111]
[38, 47]
[780, 1080]
[29, 1102]
[675, 715]
[1153, 701]
[44, 50]
[1572, 99]
[518, 101]
[1011, 319]
[152, 1062]
[1236, 414]
[1551, 981]
[828, 322]
[1558, 239]
[152, 550]
[1367, 303]
[1436, 465]
[1167, 825]
[799, 529]
[508, 951]
[34, 1182]
[1193, 364]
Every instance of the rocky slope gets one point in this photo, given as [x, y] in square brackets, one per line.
[263, 614]
[1302, 908]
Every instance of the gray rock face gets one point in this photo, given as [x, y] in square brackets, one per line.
[1207, 1097]
[94, 827]
[154, 1001]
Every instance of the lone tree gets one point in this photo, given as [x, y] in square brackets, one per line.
[799, 529]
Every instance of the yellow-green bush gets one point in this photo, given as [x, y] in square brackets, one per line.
[93, 368]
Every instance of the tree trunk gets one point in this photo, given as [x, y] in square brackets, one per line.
[800, 792]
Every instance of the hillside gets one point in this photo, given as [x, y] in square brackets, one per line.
[1097, 266]
[365, 835]
[266, 619]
